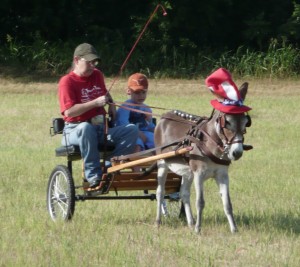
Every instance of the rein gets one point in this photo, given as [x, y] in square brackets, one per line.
[133, 109]
[137, 105]
[190, 119]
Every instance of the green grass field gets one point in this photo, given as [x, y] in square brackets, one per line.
[265, 188]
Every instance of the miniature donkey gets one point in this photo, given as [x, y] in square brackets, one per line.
[216, 141]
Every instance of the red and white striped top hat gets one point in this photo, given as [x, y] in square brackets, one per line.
[229, 99]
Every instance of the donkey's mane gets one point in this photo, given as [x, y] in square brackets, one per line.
[186, 116]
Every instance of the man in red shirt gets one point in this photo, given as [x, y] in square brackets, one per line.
[82, 97]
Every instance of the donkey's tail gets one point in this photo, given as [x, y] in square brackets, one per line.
[148, 171]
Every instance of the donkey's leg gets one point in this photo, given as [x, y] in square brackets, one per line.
[185, 194]
[200, 203]
[160, 191]
[223, 183]
[180, 167]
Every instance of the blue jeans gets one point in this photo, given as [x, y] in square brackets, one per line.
[149, 143]
[89, 137]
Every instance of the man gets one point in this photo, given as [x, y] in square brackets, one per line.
[82, 97]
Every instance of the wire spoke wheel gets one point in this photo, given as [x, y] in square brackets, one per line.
[61, 194]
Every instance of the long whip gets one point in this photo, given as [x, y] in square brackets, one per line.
[136, 42]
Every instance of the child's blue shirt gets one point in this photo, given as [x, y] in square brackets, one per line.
[125, 117]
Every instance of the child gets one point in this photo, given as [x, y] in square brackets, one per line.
[137, 89]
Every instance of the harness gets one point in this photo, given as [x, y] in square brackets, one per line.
[196, 134]
[199, 135]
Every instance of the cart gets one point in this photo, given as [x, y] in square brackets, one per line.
[63, 193]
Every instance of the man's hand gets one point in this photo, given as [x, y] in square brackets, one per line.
[101, 101]
[79, 109]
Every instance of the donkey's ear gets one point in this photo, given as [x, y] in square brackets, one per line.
[243, 90]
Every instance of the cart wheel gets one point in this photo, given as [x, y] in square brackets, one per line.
[61, 194]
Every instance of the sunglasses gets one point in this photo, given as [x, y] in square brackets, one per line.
[94, 62]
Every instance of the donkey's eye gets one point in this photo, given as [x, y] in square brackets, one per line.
[227, 124]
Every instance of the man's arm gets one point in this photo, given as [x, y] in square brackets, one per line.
[81, 108]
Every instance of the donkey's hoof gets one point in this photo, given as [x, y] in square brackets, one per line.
[157, 224]
[234, 231]
[197, 230]
[191, 226]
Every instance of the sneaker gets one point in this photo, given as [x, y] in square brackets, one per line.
[94, 182]
[107, 164]
[99, 184]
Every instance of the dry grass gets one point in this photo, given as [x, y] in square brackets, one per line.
[264, 188]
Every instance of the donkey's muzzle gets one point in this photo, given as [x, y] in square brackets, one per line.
[237, 155]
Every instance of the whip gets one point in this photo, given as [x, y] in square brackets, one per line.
[136, 42]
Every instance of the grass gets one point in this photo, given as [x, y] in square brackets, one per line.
[264, 188]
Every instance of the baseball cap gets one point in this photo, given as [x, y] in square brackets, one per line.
[138, 81]
[229, 99]
[87, 51]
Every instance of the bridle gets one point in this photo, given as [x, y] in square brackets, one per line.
[198, 134]
[229, 140]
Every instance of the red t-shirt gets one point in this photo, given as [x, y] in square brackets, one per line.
[74, 89]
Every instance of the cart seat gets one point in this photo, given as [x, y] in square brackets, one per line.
[71, 151]
[64, 151]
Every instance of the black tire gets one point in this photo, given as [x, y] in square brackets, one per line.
[61, 194]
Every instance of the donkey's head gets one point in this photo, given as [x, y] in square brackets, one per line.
[231, 129]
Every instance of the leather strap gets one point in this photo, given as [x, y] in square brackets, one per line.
[204, 149]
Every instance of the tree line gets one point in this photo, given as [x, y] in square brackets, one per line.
[193, 31]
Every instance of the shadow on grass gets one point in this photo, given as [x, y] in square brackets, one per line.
[283, 222]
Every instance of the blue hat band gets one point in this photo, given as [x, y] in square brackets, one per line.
[232, 102]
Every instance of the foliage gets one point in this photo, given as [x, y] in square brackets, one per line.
[280, 60]
[40, 56]
[40, 36]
